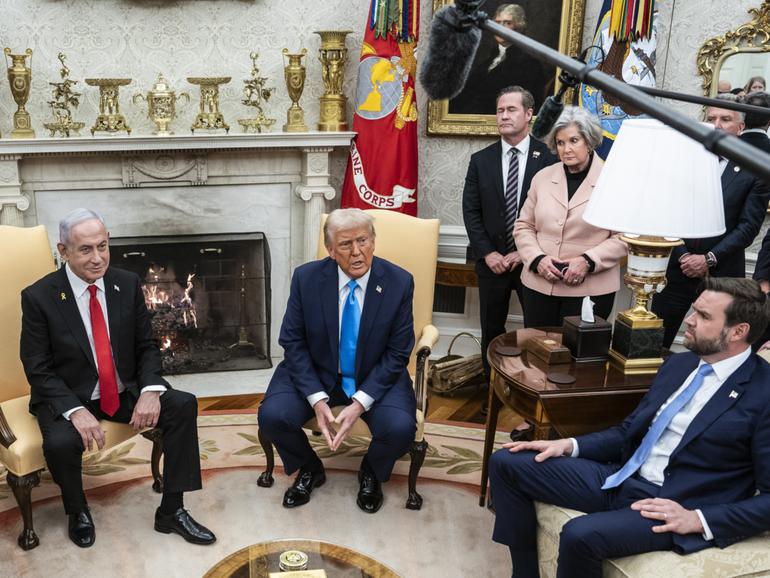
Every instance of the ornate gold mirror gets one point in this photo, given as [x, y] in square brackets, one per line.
[739, 56]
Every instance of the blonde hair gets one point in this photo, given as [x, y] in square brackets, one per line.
[345, 219]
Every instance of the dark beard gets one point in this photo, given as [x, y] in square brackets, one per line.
[703, 347]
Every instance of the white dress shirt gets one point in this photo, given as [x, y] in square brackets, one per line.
[654, 467]
[361, 397]
[83, 300]
[523, 155]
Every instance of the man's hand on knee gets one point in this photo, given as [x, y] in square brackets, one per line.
[673, 516]
[545, 448]
[325, 419]
[345, 420]
[146, 410]
[88, 427]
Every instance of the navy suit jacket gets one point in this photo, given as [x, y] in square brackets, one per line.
[484, 197]
[745, 203]
[723, 458]
[310, 334]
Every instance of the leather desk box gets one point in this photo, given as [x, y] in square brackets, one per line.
[587, 341]
[549, 350]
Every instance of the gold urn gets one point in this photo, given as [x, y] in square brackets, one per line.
[20, 78]
[333, 55]
[161, 105]
[294, 73]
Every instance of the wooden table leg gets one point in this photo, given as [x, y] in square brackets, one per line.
[489, 440]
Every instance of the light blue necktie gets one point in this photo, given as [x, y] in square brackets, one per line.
[656, 430]
[351, 319]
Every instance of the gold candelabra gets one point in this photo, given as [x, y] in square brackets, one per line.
[64, 98]
[255, 94]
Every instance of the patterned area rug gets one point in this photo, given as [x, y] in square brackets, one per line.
[229, 440]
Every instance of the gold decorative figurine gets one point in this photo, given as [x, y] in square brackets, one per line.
[255, 94]
[161, 105]
[20, 77]
[64, 98]
[209, 117]
[333, 56]
[109, 120]
[294, 73]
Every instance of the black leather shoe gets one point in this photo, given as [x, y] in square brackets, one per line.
[182, 523]
[299, 492]
[523, 435]
[369, 493]
[81, 529]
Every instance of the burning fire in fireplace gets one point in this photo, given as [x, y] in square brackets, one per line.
[163, 293]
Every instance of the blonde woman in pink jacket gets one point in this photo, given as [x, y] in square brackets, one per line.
[564, 257]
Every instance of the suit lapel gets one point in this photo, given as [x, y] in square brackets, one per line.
[67, 304]
[724, 398]
[494, 164]
[330, 304]
[729, 174]
[113, 297]
[375, 290]
[534, 164]
[559, 180]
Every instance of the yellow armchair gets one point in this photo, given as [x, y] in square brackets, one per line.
[26, 257]
[412, 244]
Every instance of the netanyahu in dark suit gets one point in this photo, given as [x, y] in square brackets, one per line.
[373, 384]
[89, 354]
[689, 469]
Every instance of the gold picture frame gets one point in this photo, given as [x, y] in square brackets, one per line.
[753, 36]
[463, 116]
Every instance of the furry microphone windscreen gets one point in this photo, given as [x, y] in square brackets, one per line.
[448, 61]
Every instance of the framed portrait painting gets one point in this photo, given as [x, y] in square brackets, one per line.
[555, 23]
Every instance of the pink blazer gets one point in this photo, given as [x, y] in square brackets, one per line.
[549, 224]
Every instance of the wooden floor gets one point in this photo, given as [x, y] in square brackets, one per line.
[464, 407]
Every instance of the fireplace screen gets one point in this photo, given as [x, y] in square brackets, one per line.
[208, 295]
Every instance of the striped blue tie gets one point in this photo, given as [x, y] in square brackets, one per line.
[351, 319]
[511, 199]
[656, 430]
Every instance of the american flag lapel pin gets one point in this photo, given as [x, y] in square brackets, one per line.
[736, 169]
[535, 154]
[733, 394]
[63, 296]
[378, 289]
[116, 288]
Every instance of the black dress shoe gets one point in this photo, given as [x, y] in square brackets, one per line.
[182, 523]
[299, 492]
[369, 492]
[81, 529]
[523, 435]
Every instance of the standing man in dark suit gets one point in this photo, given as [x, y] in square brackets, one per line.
[755, 134]
[496, 187]
[689, 469]
[347, 336]
[88, 353]
[745, 204]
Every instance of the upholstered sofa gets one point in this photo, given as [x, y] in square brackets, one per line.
[748, 558]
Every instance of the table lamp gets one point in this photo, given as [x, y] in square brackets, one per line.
[657, 187]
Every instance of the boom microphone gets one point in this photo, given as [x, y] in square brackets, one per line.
[552, 107]
[451, 48]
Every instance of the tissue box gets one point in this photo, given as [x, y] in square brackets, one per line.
[587, 341]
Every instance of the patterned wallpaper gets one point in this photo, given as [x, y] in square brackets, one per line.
[140, 38]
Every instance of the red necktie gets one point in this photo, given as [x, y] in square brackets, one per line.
[108, 385]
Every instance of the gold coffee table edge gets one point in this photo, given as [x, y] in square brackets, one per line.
[225, 567]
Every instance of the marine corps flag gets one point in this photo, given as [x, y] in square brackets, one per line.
[382, 169]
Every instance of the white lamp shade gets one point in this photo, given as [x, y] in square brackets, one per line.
[657, 181]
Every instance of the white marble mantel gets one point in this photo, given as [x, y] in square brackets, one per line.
[274, 183]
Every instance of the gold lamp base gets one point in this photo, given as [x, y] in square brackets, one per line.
[637, 338]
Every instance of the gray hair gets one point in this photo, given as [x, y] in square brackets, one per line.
[73, 218]
[515, 13]
[728, 97]
[344, 220]
[586, 123]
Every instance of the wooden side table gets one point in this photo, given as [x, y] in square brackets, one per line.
[600, 397]
[456, 274]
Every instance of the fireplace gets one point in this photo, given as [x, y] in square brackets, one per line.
[208, 296]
